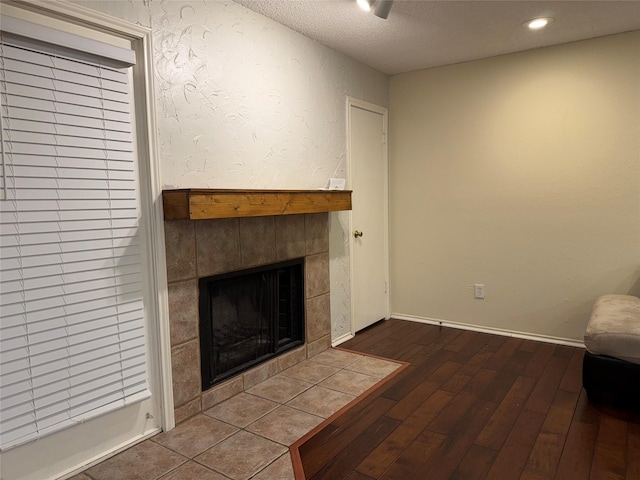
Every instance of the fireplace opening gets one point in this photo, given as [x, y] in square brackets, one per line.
[248, 317]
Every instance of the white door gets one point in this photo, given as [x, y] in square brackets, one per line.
[368, 174]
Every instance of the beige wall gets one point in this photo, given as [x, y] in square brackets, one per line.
[521, 172]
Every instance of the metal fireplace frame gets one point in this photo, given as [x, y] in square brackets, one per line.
[272, 343]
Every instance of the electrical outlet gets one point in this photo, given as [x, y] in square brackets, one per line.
[478, 290]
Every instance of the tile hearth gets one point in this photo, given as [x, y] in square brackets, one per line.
[248, 436]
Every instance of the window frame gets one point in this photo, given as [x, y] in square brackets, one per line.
[152, 218]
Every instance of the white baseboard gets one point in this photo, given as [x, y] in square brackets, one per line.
[106, 455]
[495, 331]
[342, 339]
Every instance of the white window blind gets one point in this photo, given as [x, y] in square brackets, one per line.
[72, 320]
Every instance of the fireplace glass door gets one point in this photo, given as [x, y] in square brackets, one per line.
[248, 317]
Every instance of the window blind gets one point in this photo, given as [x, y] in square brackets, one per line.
[72, 326]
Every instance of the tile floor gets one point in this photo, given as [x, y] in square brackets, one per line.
[248, 436]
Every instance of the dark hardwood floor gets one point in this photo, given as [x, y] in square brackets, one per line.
[474, 406]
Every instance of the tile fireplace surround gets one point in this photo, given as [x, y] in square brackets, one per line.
[203, 248]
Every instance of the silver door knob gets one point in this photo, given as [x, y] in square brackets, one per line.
[357, 233]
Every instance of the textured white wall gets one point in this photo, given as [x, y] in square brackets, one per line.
[243, 102]
[521, 172]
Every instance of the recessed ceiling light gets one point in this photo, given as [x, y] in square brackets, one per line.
[538, 23]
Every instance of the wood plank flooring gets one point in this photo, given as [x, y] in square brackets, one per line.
[474, 406]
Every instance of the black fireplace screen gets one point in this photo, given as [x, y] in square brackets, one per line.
[248, 317]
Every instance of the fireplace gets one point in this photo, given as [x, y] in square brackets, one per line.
[207, 248]
[219, 232]
[248, 317]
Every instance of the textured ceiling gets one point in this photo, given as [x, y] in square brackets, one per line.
[423, 33]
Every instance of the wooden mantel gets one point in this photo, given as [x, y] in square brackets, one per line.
[201, 204]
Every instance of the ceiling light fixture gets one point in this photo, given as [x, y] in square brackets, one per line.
[538, 23]
[381, 8]
[364, 4]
